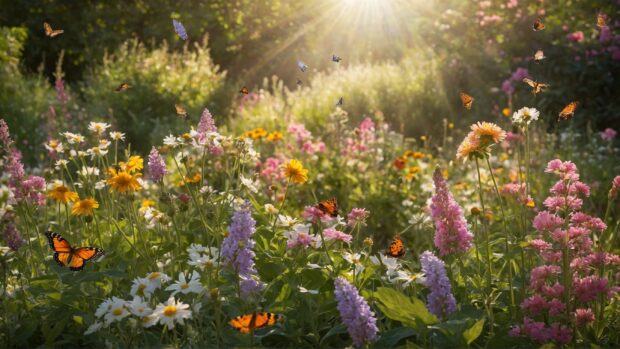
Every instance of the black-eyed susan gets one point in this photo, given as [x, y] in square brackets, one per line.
[274, 136]
[84, 207]
[62, 194]
[191, 179]
[296, 172]
[123, 182]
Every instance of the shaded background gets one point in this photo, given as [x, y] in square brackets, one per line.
[407, 60]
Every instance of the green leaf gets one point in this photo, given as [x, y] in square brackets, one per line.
[410, 311]
[473, 332]
[334, 331]
[392, 337]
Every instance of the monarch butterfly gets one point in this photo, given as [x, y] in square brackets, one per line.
[336, 59]
[539, 56]
[244, 90]
[568, 111]
[250, 322]
[538, 25]
[179, 29]
[329, 207]
[340, 102]
[122, 87]
[181, 111]
[467, 100]
[537, 87]
[302, 66]
[51, 32]
[65, 254]
[397, 248]
[600, 20]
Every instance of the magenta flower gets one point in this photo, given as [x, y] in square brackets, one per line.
[333, 234]
[451, 232]
[576, 36]
[584, 317]
[5, 136]
[609, 134]
[12, 237]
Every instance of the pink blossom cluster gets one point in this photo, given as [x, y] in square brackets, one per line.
[577, 36]
[564, 231]
[304, 139]
[271, 171]
[364, 137]
[517, 76]
[609, 134]
[517, 191]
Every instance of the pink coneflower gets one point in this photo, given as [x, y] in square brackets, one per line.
[451, 233]
[609, 134]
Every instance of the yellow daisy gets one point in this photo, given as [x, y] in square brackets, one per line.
[63, 194]
[135, 163]
[123, 182]
[488, 130]
[84, 207]
[296, 172]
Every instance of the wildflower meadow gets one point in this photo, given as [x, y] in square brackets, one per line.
[368, 173]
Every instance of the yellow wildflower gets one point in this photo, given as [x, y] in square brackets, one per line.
[296, 172]
[84, 207]
[63, 194]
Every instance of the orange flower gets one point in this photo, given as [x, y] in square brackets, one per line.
[400, 163]
[296, 172]
[62, 194]
[84, 207]
[123, 182]
[488, 130]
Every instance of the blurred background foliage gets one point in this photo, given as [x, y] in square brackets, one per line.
[405, 59]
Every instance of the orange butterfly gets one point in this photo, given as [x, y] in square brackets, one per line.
[539, 56]
[538, 25]
[250, 322]
[122, 87]
[329, 206]
[467, 100]
[537, 87]
[244, 90]
[600, 20]
[397, 248]
[568, 111]
[181, 111]
[65, 254]
[51, 32]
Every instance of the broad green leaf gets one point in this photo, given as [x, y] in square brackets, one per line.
[410, 311]
[473, 332]
[391, 337]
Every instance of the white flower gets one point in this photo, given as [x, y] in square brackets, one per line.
[407, 277]
[96, 326]
[98, 127]
[142, 287]
[270, 209]
[525, 115]
[207, 189]
[305, 290]
[149, 320]
[286, 221]
[74, 138]
[184, 286]
[195, 249]
[54, 146]
[171, 141]
[139, 307]
[103, 308]
[100, 184]
[61, 163]
[355, 259]
[248, 183]
[204, 261]
[172, 311]
[156, 278]
[89, 171]
[407, 203]
[390, 263]
[117, 136]
[117, 311]
[96, 151]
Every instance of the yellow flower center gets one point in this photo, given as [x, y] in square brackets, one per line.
[170, 310]
[117, 312]
[184, 286]
[154, 276]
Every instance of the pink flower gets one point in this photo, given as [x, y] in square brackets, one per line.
[300, 133]
[556, 307]
[512, 3]
[584, 317]
[300, 237]
[534, 305]
[576, 36]
[615, 186]
[609, 134]
[333, 234]
[357, 216]
[606, 35]
[315, 215]
[546, 221]
[588, 288]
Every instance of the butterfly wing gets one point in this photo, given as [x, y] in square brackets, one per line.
[264, 319]
[81, 255]
[600, 21]
[539, 55]
[538, 25]
[242, 323]
[467, 100]
[179, 29]
[244, 90]
[397, 248]
[568, 111]
[336, 59]
[122, 87]
[530, 82]
[60, 246]
[329, 207]
[340, 102]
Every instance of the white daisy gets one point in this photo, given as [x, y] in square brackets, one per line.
[172, 311]
[406, 277]
[525, 115]
[270, 209]
[103, 307]
[61, 163]
[286, 221]
[184, 286]
[139, 307]
[248, 183]
[390, 263]
[142, 287]
[98, 127]
[89, 171]
[54, 145]
[171, 141]
[149, 320]
[96, 326]
[195, 249]
[117, 136]
[355, 259]
[156, 278]
[117, 311]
